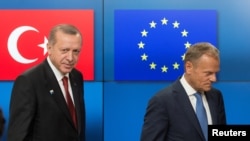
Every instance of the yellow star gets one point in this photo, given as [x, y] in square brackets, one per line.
[164, 69]
[184, 33]
[176, 65]
[144, 33]
[152, 24]
[144, 57]
[187, 45]
[164, 21]
[141, 44]
[152, 66]
[183, 56]
[176, 24]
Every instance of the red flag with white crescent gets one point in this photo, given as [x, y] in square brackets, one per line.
[24, 36]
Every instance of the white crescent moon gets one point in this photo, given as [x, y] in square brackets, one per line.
[12, 44]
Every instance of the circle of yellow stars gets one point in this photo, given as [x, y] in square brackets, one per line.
[141, 45]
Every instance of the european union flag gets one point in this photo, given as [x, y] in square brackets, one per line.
[151, 44]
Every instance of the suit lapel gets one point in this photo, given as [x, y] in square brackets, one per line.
[183, 100]
[212, 107]
[55, 91]
[75, 91]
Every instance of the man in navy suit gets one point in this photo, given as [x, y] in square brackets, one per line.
[38, 107]
[171, 113]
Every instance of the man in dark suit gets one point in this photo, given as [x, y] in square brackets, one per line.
[171, 113]
[38, 107]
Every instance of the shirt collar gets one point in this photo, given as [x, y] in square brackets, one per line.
[188, 88]
[57, 73]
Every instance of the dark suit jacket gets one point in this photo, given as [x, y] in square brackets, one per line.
[171, 117]
[38, 111]
[2, 121]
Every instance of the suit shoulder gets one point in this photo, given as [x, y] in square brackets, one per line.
[166, 93]
[33, 71]
[215, 91]
[214, 94]
[76, 74]
[170, 89]
[35, 74]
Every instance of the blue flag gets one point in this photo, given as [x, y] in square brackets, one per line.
[151, 44]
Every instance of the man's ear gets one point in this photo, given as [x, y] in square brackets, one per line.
[189, 67]
[48, 48]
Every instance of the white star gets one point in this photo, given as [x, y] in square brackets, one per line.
[144, 33]
[152, 24]
[187, 45]
[176, 65]
[152, 66]
[164, 69]
[164, 21]
[176, 24]
[44, 45]
[144, 57]
[184, 33]
[141, 45]
[183, 56]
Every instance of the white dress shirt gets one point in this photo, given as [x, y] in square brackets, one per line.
[190, 92]
[59, 77]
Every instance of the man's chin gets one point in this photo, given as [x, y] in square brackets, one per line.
[208, 88]
[66, 70]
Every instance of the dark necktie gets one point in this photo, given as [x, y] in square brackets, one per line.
[201, 114]
[69, 101]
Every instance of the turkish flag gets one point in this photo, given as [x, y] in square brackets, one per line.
[24, 36]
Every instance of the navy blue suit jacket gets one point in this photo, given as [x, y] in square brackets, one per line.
[171, 117]
[38, 110]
